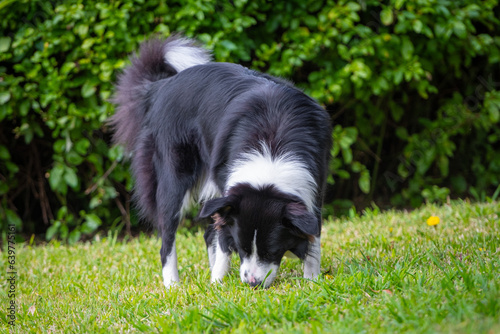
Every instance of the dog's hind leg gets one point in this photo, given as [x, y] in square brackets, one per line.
[168, 252]
[168, 221]
[172, 192]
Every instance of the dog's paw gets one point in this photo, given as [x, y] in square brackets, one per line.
[217, 277]
[170, 284]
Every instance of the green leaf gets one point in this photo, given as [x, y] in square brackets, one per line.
[24, 108]
[364, 181]
[398, 4]
[13, 219]
[70, 177]
[55, 177]
[116, 152]
[4, 97]
[492, 105]
[4, 43]
[74, 236]
[4, 153]
[352, 133]
[63, 231]
[386, 16]
[74, 158]
[397, 111]
[407, 48]
[443, 164]
[88, 89]
[460, 29]
[402, 133]
[52, 230]
[356, 166]
[95, 202]
[343, 174]
[59, 145]
[228, 45]
[82, 145]
[417, 26]
[82, 30]
[92, 222]
[11, 167]
[347, 154]
[398, 75]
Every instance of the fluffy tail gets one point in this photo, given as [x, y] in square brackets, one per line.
[157, 59]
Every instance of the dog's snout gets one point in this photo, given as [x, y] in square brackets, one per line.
[254, 283]
[251, 280]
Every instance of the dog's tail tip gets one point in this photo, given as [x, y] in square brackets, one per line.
[157, 59]
[182, 53]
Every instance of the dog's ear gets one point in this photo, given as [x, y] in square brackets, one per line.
[299, 217]
[222, 206]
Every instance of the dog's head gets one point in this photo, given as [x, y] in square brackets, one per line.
[264, 224]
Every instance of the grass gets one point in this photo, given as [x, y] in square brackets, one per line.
[381, 272]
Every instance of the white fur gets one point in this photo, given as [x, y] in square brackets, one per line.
[212, 251]
[187, 202]
[182, 54]
[170, 272]
[312, 261]
[205, 189]
[253, 270]
[286, 172]
[208, 190]
[221, 262]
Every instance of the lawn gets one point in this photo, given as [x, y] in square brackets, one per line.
[381, 272]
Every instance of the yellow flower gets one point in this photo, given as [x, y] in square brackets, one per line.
[432, 221]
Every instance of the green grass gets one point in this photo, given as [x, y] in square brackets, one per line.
[381, 272]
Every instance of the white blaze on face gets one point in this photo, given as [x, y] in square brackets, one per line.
[254, 271]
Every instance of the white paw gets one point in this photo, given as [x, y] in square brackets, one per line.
[170, 284]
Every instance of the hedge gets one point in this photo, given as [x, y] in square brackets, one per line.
[412, 88]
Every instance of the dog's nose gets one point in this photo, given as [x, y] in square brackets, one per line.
[254, 282]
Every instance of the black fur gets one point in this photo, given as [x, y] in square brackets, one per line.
[251, 209]
[184, 126]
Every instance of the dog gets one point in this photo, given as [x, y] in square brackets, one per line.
[249, 147]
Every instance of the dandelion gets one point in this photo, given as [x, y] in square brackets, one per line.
[432, 221]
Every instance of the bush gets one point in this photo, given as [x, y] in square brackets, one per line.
[412, 88]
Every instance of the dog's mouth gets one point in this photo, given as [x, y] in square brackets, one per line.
[260, 276]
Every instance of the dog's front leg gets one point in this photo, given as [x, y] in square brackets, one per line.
[312, 261]
[219, 258]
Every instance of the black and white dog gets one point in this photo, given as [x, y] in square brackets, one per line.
[251, 148]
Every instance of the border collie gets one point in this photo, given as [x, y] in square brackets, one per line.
[251, 148]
